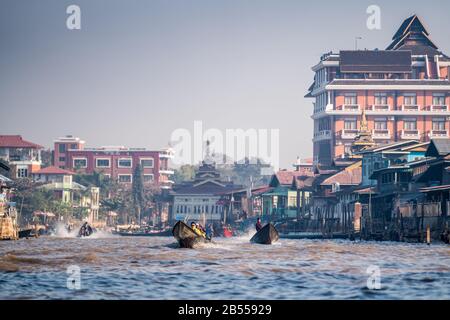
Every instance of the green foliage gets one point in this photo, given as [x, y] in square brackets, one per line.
[184, 173]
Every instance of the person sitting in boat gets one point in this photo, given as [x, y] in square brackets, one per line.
[258, 225]
[197, 230]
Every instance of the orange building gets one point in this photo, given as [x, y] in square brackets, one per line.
[404, 90]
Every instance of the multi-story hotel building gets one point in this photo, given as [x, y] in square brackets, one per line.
[118, 163]
[404, 92]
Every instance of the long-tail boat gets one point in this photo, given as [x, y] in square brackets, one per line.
[267, 235]
[186, 236]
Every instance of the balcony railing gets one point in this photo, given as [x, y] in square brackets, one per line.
[439, 108]
[381, 134]
[322, 135]
[380, 107]
[410, 108]
[166, 171]
[410, 134]
[350, 107]
[438, 134]
[349, 133]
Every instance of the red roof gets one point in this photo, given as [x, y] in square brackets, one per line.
[54, 170]
[287, 177]
[348, 176]
[7, 141]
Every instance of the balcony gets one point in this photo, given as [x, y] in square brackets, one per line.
[380, 108]
[349, 133]
[350, 107]
[166, 172]
[438, 108]
[409, 108]
[436, 134]
[410, 134]
[381, 134]
[322, 135]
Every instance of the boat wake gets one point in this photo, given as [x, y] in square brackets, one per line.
[62, 232]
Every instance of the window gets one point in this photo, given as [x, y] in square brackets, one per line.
[410, 124]
[439, 124]
[381, 99]
[73, 146]
[80, 163]
[380, 124]
[410, 99]
[350, 124]
[62, 159]
[147, 162]
[438, 99]
[62, 148]
[102, 163]
[148, 178]
[350, 99]
[124, 178]
[22, 173]
[124, 163]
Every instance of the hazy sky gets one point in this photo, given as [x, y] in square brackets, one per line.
[137, 70]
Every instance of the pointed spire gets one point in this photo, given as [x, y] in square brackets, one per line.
[412, 33]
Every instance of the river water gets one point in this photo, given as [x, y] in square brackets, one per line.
[114, 267]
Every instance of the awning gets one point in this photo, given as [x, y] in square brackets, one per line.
[436, 188]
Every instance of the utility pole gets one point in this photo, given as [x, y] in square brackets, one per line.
[356, 42]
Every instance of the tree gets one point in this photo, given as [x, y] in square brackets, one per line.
[184, 173]
[138, 192]
[46, 158]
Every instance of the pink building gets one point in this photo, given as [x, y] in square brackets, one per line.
[404, 91]
[118, 163]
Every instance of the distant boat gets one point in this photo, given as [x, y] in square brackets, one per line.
[186, 237]
[85, 231]
[267, 235]
[25, 233]
[227, 233]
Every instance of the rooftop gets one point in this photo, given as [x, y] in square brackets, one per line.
[54, 170]
[16, 141]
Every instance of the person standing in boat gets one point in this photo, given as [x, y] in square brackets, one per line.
[209, 231]
[258, 225]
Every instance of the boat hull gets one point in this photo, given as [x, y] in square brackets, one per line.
[267, 235]
[26, 233]
[186, 237]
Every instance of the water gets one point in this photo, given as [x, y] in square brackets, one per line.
[114, 267]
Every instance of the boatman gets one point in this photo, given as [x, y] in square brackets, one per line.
[209, 231]
[258, 225]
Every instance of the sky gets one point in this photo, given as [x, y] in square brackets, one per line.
[138, 70]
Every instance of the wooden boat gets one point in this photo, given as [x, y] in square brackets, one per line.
[267, 235]
[186, 237]
[25, 233]
[85, 231]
